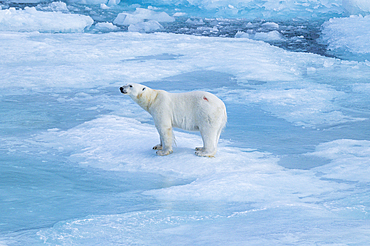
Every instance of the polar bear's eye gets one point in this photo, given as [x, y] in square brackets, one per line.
[130, 86]
[144, 89]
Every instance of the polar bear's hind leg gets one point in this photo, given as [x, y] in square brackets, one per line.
[209, 136]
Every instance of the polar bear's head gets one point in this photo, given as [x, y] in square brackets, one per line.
[133, 89]
[142, 95]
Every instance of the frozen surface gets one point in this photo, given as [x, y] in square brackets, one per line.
[292, 162]
[30, 19]
[356, 6]
[348, 35]
[76, 159]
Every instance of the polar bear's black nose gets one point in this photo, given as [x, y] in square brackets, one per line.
[121, 89]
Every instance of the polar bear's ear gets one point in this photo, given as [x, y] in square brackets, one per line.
[144, 89]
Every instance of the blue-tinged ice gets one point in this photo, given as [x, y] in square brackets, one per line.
[348, 36]
[76, 159]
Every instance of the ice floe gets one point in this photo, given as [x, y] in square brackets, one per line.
[30, 20]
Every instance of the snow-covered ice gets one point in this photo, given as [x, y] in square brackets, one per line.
[76, 159]
[30, 20]
[348, 35]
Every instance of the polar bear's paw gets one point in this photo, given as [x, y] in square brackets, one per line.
[164, 152]
[158, 147]
[203, 153]
[199, 148]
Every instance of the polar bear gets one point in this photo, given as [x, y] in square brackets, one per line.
[191, 111]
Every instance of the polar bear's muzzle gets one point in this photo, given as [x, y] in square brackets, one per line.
[123, 90]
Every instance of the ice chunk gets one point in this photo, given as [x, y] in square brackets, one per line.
[356, 6]
[106, 27]
[195, 21]
[178, 14]
[271, 25]
[263, 36]
[141, 15]
[268, 36]
[148, 26]
[104, 6]
[54, 6]
[30, 19]
[351, 34]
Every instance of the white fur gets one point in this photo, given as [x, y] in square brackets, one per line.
[192, 111]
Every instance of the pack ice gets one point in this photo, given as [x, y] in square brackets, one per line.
[76, 163]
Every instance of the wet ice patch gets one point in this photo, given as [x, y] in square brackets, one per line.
[350, 159]
[30, 19]
[259, 183]
[310, 106]
[279, 226]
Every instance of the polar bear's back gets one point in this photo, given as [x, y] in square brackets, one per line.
[196, 109]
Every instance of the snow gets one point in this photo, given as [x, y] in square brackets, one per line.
[30, 19]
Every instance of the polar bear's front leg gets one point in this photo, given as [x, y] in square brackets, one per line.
[166, 136]
[158, 146]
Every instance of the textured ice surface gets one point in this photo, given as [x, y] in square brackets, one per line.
[76, 159]
[348, 35]
[30, 19]
[356, 6]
